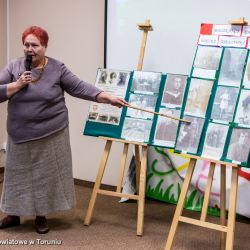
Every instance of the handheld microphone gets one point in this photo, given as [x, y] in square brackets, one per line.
[28, 62]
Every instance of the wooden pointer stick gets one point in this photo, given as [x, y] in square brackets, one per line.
[152, 112]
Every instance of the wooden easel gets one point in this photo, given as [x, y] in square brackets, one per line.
[141, 162]
[227, 231]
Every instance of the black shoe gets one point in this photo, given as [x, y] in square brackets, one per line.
[10, 221]
[41, 225]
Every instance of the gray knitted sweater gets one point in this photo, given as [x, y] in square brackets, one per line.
[39, 109]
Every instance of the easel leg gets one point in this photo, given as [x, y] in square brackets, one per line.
[232, 209]
[207, 192]
[180, 204]
[142, 187]
[137, 167]
[97, 183]
[122, 167]
[223, 204]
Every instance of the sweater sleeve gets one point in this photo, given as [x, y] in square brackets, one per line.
[76, 87]
[5, 78]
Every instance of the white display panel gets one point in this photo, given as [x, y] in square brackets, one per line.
[171, 46]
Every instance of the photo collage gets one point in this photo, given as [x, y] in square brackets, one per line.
[218, 99]
[143, 94]
[215, 99]
[114, 82]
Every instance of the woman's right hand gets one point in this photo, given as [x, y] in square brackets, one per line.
[24, 79]
[16, 86]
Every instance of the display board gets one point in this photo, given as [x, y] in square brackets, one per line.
[222, 61]
[215, 98]
[141, 89]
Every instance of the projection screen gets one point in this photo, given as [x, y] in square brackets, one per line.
[171, 45]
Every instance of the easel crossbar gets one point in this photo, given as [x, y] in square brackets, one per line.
[123, 141]
[121, 195]
[228, 164]
[203, 224]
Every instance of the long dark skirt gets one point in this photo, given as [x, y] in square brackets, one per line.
[38, 176]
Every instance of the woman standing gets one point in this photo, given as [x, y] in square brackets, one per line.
[38, 175]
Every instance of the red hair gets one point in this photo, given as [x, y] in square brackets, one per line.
[40, 33]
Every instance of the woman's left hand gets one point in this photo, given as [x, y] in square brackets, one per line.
[104, 97]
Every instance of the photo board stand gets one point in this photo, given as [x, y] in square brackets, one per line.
[141, 162]
[226, 229]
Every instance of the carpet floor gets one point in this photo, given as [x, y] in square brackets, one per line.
[114, 227]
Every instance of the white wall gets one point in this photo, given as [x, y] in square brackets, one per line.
[76, 30]
[3, 59]
[3, 37]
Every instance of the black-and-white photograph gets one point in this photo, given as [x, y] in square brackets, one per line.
[166, 128]
[246, 79]
[208, 57]
[102, 76]
[113, 119]
[243, 109]
[112, 77]
[190, 133]
[136, 129]
[215, 139]
[174, 90]
[102, 118]
[224, 103]
[122, 78]
[232, 66]
[148, 82]
[239, 145]
[93, 111]
[147, 102]
[198, 97]
[92, 115]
